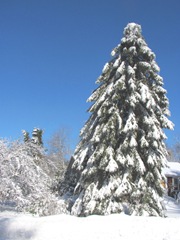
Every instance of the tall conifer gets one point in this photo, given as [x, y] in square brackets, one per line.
[117, 166]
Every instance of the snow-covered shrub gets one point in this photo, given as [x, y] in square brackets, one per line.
[26, 180]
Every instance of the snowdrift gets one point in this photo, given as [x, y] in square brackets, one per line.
[15, 226]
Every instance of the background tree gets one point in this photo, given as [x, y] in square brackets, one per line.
[59, 151]
[177, 150]
[26, 136]
[174, 151]
[54, 161]
[34, 145]
[118, 163]
[37, 136]
[25, 185]
[170, 156]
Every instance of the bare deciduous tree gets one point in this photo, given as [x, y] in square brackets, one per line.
[59, 150]
[174, 151]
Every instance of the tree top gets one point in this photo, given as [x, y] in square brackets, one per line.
[132, 30]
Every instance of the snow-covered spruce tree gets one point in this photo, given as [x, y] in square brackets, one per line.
[37, 136]
[118, 163]
[26, 137]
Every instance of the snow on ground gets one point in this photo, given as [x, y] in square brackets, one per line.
[172, 207]
[15, 226]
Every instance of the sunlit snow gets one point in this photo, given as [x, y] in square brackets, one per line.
[15, 226]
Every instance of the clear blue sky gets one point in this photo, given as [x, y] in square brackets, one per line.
[52, 51]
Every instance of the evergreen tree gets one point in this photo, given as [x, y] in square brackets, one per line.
[37, 136]
[26, 136]
[117, 166]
